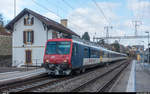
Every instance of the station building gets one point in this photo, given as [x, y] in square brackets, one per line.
[30, 31]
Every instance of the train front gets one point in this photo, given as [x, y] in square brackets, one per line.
[57, 57]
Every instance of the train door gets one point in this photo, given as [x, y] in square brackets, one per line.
[76, 59]
[101, 56]
[86, 58]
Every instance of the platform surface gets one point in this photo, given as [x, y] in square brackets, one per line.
[135, 78]
[7, 76]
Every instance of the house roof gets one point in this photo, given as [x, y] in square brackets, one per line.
[45, 20]
[5, 33]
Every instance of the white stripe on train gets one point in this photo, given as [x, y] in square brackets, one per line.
[89, 61]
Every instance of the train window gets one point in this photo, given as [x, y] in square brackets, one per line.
[97, 53]
[58, 47]
[74, 52]
[101, 53]
[93, 53]
[86, 52]
[105, 54]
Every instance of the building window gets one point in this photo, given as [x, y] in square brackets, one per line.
[28, 37]
[28, 20]
[54, 35]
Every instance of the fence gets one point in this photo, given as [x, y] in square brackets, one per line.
[36, 63]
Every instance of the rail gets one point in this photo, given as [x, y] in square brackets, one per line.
[104, 86]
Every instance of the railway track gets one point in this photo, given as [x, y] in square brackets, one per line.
[12, 85]
[79, 83]
[103, 81]
[43, 83]
[34, 84]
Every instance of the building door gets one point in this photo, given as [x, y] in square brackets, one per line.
[28, 56]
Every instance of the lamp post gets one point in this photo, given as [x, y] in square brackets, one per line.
[143, 52]
[148, 45]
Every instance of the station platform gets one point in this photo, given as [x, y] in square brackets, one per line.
[19, 75]
[135, 78]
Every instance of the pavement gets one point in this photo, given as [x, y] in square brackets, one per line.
[18, 75]
[135, 78]
[142, 77]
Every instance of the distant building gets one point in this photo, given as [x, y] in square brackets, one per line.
[139, 48]
[30, 31]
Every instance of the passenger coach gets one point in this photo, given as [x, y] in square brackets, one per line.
[64, 56]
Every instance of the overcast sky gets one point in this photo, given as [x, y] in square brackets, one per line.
[84, 15]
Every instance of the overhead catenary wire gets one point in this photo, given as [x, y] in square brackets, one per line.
[56, 5]
[101, 11]
[40, 5]
[70, 6]
[67, 4]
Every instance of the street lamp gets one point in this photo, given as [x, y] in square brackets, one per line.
[143, 52]
[148, 45]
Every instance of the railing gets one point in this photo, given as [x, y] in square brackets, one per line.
[36, 63]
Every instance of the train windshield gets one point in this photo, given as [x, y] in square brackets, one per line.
[58, 47]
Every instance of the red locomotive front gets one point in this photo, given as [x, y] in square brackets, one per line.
[57, 57]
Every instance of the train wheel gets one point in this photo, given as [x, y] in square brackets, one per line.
[78, 71]
[83, 70]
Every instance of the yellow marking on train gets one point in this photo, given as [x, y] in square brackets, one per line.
[101, 58]
[138, 57]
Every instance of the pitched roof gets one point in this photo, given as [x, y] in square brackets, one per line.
[5, 33]
[45, 20]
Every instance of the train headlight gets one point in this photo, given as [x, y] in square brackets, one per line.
[47, 61]
[65, 61]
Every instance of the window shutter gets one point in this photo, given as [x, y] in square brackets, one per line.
[32, 21]
[24, 37]
[29, 56]
[32, 36]
[25, 21]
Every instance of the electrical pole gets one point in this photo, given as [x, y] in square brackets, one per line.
[14, 8]
[136, 24]
[148, 45]
[107, 32]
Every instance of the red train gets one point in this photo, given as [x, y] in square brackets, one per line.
[64, 56]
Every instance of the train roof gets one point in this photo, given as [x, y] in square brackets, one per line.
[89, 44]
[59, 39]
[98, 47]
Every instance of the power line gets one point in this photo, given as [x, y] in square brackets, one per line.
[101, 11]
[68, 4]
[51, 11]
[46, 8]
[57, 6]
[73, 8]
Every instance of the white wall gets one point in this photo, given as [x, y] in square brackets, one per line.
[40, 38]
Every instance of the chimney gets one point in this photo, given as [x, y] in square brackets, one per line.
[64, 22]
